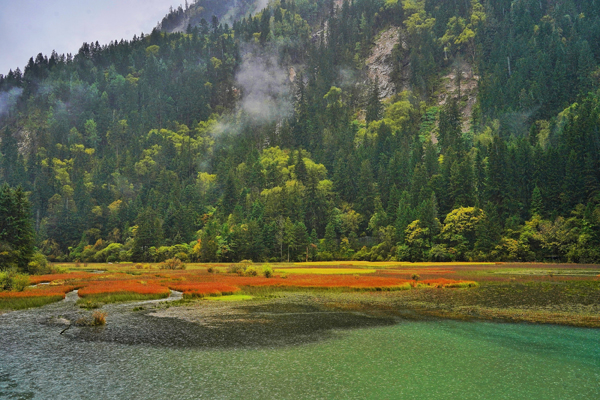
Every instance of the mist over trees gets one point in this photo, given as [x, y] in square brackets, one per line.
[267, 140]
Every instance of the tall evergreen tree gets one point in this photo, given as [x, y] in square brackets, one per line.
[374, 107]
[16, 229]
[147, 235]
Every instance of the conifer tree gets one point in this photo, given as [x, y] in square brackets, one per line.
[9, 157]
[450, 133]
[16, 229]
[301, 172]
[537, 202]
[374, 106]
[148, 234]
[330, 240]
[404, 215]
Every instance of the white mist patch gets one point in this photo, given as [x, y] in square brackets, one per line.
[9, 99]
[261, 4]
[265, 88]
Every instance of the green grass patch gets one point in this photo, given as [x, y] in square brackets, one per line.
[462, 285]
[325, 271]
[233, 297]
[119, 297]
[21, 303]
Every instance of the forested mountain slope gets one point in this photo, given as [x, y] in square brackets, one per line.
[270, 137]
[201, 12]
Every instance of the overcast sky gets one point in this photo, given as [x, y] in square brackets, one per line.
[29, 27]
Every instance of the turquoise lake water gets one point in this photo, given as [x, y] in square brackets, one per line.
[408, 360]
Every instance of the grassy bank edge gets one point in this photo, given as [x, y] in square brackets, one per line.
[119, 297]
[21, 303]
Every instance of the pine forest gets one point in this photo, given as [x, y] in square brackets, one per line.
[312, 130]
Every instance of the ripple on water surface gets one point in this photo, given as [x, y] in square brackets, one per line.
[409, 360]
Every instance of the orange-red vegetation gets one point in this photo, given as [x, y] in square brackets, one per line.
[198, 283]
[307, 281]
[122, 286]
[36, 279]
[419, 271]
[46, 291]
[202, 289]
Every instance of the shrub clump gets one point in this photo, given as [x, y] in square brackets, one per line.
[88, 304]
[173, 264]
[237, 269]
[13, 281]
[98, 318]
[39, 265]
[267, 271]
[462, 285]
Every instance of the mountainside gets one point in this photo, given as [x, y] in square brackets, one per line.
[371, 129]
[201, 12]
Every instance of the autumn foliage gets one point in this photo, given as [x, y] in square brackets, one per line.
[317, 281]
[45, 291]
[202, 289]
[122, 286]
[198, 283]
[37, 279]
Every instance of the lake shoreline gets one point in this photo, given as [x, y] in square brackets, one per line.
[401, 306]
[470, 304]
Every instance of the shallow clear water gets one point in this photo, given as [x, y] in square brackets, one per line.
[408, 360]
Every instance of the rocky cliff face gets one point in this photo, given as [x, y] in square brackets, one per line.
[379, 63]
[460, 82]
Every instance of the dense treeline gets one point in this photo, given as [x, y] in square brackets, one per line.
[148, 149]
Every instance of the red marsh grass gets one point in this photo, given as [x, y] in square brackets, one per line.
[123, 286]
[33, 297]
[502, 287]
[37, 279]
[203, 289]
[123, 282]
[316, 281]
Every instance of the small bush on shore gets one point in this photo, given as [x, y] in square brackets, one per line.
[98, 318]
[88, 304]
